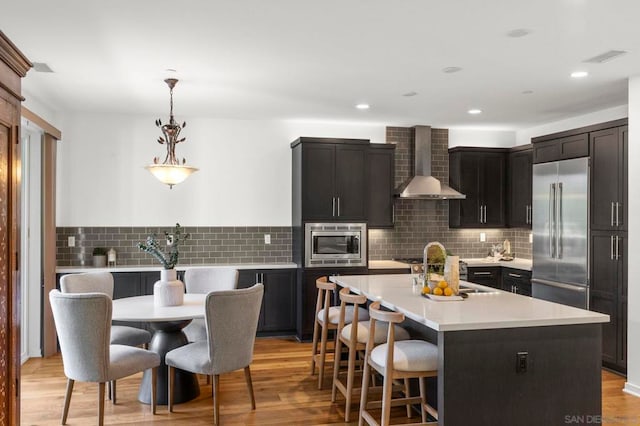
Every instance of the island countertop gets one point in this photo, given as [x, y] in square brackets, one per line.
[491, 310]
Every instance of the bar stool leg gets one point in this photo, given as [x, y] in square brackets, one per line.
[387, 386]
[336, 370]
[323, 353]
[364, 391]
[314, 346]
[423, 399]
[350, 378]
[407, 394]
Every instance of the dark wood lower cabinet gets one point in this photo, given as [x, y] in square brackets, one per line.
[486, 275]
[278, 313]
[516, 281]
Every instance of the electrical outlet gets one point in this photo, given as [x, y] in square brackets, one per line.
[170, 240]
[530, 237]
[483, 237]
[522, 361]
[71, 241]
[267, 238]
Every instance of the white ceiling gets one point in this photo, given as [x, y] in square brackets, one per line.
[301, 59]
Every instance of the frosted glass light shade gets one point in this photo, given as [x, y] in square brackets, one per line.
[171, 174]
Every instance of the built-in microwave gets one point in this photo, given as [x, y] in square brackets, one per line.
[335, 244]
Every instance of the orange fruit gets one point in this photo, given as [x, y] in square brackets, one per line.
[442, 284]
[448, 291]
[426, 290]
[437, 291]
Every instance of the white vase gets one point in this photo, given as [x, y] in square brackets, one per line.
[169, 291]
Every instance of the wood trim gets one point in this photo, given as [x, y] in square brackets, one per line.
[49, 346]
[478, 149]
[13, 57]
[586, 129]
[41, 123]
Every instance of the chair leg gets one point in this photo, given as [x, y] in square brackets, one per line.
[407, 395]
[67, 401]
[350, 378]
[247, 376]
[154, 387]
[336, 370]
[109, 393]
[101, 404]
[364, 391]
[314, 346]
[170, 376]
[423, 399]
[216, 399]
[112, 384]
[323, 354]
[387, 386]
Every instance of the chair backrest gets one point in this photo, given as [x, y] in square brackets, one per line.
[346, 297]
[377, 314]
[231, 319]
[205, 280]
[89, 282]
[83, 324]
[325, 290]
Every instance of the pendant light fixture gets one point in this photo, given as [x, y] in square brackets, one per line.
[170, 171]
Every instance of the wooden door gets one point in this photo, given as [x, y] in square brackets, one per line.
[492, 183]
[279, 301]
[606, 176]
[318, 181]
[381, 185]
[519, 189]
[469, 186]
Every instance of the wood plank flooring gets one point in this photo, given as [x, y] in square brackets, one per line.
[285, 394]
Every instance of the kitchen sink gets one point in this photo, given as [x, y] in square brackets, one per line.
[470, 290]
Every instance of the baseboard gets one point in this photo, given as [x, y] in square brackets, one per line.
[631, 389]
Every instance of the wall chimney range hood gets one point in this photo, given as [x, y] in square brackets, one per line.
[422, 185]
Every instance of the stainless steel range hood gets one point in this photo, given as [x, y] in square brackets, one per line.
[422, 185]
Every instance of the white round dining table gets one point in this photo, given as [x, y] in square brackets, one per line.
[166, 323]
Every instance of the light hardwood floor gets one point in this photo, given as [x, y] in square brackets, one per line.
[285, 395]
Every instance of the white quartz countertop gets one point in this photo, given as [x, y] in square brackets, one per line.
[495, 309]
[523, 264]
[388, 264]
[152, 268]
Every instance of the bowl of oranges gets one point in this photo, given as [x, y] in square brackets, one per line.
[439, 290]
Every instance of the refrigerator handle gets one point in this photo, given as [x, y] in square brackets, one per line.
[617, 213]
[552, 210]
[559, 223]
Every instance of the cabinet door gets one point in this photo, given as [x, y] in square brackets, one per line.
[485, 275]
[126, 284]
[279, 301]
[351, 182]
[623, 214]
[606, 177]
[469, 186]
[492, 173]
[381, 186]
[519, 189]
[318, 181]
[247, 278]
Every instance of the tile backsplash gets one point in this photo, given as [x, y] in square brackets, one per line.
[207, 245]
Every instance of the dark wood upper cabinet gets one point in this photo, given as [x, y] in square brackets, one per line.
[480, 174]
[563, 148]
[519, 189]
[330, 179]
[609, 179]
[381, 185]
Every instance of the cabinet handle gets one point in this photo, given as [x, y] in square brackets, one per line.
[515, 275]
[526, 215]
[515, 289]
[612, 255]
[480, 213]
[393, 213]
[617, 247]
[333, 206]
[338, 206]
[530, 215]
[482, 273]
[617, 213]
[257, 278]
[612, 212]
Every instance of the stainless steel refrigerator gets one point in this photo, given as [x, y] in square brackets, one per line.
[561, 232]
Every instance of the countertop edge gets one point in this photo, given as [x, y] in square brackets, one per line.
[154, 268]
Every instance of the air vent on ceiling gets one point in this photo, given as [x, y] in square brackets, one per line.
[41, 67]
[605, 57]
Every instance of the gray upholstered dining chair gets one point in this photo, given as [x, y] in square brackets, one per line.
[102, 282]
[203, 281]
[231, 320]
[83, 324]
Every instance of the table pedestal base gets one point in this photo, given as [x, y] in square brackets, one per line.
[168, 336]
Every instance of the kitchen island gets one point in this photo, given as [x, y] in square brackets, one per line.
[504, 359]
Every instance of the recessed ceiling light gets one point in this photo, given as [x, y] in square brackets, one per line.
[518, 32]
[475, 111]
[409, 94]
[579, 74]
[362, 106]
[527, 92]
[451, 70]
[170, 70]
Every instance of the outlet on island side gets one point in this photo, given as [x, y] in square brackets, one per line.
[522, 361]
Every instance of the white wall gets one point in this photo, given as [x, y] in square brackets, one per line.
[482, 138]
[633, 338]
[524, 136]
[244, 177]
